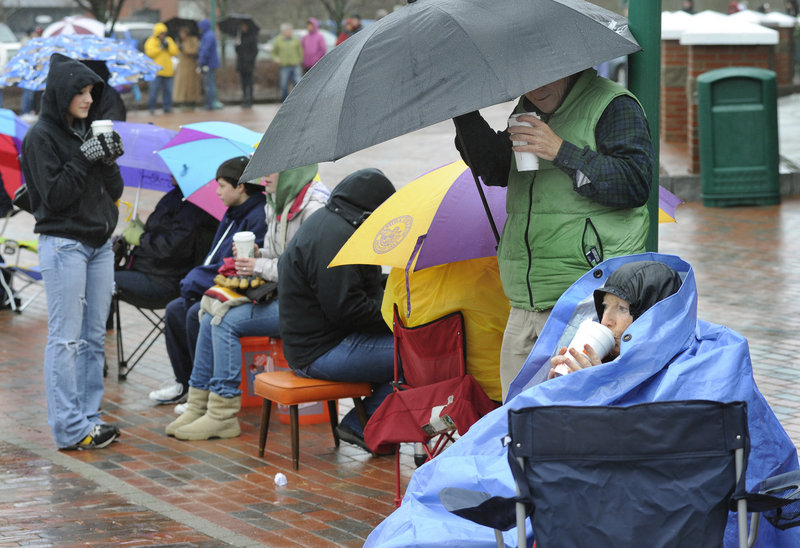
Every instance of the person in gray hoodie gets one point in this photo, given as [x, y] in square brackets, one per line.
[74, 181]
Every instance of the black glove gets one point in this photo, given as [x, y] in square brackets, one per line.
[105, 146]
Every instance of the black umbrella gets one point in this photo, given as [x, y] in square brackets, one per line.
[174, 25]
[429, 61]
[232, 24]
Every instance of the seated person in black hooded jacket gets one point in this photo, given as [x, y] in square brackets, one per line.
[175, 238]
[330, 320]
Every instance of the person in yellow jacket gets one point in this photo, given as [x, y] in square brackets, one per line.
[161, 49]
[474, 288]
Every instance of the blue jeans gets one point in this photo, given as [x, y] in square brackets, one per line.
[360, 357]
[164, 85]
[285, 74]
[210, 88]
[28, 101]
[78, 281]
[218, 355]
[181, 327]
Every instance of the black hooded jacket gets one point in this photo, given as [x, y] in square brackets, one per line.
[71, 197]
[320, 306]
[112, 106]
[177, 237]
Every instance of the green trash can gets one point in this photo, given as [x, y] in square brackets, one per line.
[737, 113]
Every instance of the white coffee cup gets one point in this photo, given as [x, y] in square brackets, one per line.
[245, 243]
[102, 126]
[590, 332]
[526, 161]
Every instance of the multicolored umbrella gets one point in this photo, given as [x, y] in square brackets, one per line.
[140, 166]
[206, 199]
[12, 131]
[436, 219]
[198, 149]
[75, 24]
[667, 202]
[28, 68]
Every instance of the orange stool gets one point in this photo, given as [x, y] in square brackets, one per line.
[286, 388]
[256, 357]
[311, 412]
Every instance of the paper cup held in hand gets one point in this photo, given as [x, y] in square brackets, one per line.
[596, 335]
[245, 243]
[102, 126]
[526, 161]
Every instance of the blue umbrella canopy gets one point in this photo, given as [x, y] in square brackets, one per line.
[28, 68]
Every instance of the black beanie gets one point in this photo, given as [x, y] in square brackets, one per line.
[231, 170]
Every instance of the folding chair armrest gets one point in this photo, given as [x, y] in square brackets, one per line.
[782, 482]
[777, 498]
[480, 507]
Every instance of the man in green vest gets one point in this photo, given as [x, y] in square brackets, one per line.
[585, 203]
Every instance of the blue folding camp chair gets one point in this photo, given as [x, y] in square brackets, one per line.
[656, 474]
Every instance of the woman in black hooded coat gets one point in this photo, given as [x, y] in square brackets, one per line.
[74, 182]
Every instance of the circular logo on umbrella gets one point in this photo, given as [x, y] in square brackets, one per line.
[391, 234]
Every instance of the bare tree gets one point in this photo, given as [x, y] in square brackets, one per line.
[106, 11]
[337, 10]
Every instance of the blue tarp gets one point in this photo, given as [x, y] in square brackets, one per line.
[670, 355]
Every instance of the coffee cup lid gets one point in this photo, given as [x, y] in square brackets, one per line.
[243, 236]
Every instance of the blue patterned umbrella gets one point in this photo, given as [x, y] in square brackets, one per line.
[28, 68]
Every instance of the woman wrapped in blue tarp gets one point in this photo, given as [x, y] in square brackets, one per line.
[665, 354]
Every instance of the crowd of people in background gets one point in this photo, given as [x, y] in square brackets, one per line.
[193, 80]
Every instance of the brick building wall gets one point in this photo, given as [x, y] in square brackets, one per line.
[783, 58]
[674, 104]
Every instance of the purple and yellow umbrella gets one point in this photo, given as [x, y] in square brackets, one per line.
[436, 219]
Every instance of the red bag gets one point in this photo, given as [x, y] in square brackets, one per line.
[405, 416]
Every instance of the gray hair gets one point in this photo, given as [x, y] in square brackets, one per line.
[286, 26]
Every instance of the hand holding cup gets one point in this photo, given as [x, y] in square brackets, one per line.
[591, 343]
[245, 266]
[531, 135]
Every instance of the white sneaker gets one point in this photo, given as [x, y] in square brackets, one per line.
[180, 408]
[172, 393]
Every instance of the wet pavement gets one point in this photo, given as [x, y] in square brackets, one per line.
[148, 489]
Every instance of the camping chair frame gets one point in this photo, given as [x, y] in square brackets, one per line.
[722, 445]
[157, 325]
[27, 275]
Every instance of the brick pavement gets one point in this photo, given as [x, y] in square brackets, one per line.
[148, 489]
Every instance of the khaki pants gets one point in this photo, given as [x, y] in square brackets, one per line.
[522, 330]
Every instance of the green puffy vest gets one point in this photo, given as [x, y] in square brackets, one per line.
[550, 227]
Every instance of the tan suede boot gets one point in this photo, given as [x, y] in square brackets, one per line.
[219, 421]
[196, 407]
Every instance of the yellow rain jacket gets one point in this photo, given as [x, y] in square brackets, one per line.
[161, 55]
[474, 288]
